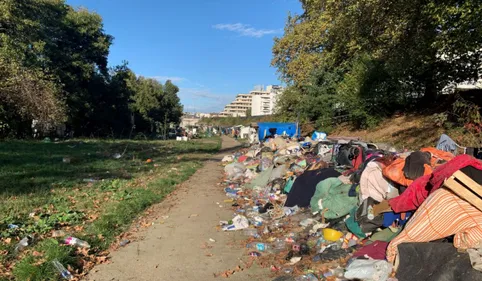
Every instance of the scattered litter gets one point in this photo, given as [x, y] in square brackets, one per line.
[212, 240]
[294, 260]
[64, 273]
[117, 156]
[76, 242]
[124, 242]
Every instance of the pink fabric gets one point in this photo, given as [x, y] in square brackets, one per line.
[416, 193]
[372, 182]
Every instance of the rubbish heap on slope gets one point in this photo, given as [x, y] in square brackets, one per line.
[340, 208]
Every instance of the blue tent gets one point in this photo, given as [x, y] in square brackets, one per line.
[290, 129]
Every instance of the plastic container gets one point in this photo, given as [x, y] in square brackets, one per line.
[62, 270]
[332, 234]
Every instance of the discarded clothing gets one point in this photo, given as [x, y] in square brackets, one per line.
[362, 216]
[373, 184]
[305, 186]
[386, 235]
[415, 164]
[434, 262]
[390, 217]
[377, 251]
[423, 186]
[394, 172]
[441, 215]
[475, 256]
[445, 143]
[262, 179]
[353, 225]
[332, 194]
[438, 156]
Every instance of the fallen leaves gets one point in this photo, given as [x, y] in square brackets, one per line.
[228, 273]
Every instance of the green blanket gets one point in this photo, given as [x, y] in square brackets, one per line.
[332, 194]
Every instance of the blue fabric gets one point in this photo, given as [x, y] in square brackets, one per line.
[445, 143]
[390, 217]
[353, 190]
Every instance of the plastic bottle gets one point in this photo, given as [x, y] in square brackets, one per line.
[251, 232]
[21, 245]
[62, 270]
[307, 277]
[76, 242]
[370, 214]
[258, 246]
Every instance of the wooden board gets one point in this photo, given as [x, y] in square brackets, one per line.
[466, 188]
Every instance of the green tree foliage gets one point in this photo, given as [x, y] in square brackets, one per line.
[53, 68]
[376, 56]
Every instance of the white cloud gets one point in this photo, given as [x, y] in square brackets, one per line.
[246, 30]
[165, 78]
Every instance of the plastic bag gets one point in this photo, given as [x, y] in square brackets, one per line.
[234, 171]
[369, 270]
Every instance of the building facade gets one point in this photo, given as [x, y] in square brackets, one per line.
[258, 102]
[239, 107]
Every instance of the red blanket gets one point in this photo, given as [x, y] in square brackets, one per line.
[423, 186]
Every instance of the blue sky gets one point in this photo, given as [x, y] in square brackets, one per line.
[212, 49]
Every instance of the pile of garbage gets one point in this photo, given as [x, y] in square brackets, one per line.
[340, 208]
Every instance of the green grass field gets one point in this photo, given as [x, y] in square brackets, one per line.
[94, 196]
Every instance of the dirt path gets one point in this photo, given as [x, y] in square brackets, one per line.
[174, 249]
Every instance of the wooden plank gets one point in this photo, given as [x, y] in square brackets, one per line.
[465, 192]
[470, 183]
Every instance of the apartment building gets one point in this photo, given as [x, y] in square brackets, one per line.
[239, 107]
[264, 102]
[258, 102]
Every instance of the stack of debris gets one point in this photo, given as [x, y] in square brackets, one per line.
[340, 208]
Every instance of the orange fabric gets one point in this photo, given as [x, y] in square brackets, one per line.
[441, 215]
[437, 155]
[394, 172]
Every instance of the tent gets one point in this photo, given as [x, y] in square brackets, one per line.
[265, 129]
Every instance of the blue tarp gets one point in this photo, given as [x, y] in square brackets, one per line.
[289, 129]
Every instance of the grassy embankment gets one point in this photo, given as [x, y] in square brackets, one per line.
[95, 197]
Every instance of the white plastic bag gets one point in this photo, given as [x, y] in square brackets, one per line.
[369, 270]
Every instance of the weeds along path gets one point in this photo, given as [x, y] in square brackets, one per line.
[178, 247]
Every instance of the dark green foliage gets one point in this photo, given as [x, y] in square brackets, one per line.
[53, 68]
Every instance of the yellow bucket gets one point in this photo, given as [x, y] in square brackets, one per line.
[332, 234]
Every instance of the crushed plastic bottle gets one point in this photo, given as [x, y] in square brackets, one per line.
[21, 245]
[251, 232]
[307, 277]
[76, 242]
[62, 270]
